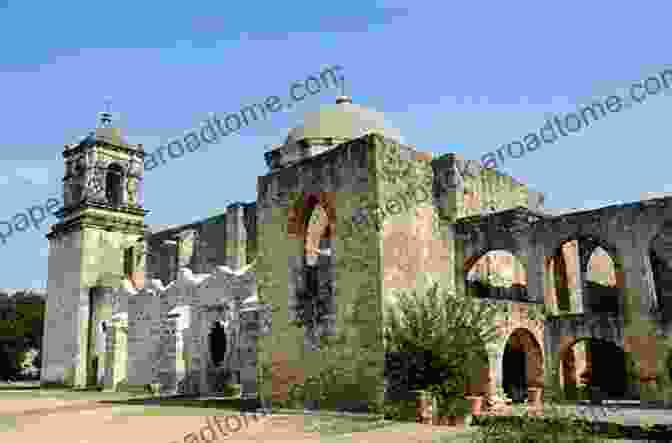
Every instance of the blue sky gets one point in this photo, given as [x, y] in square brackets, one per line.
[462, 77]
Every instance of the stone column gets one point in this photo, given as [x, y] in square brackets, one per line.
[449, 235]
[248, 368]
[167, 367]
[204, 349]
[494, 370]
[143, 323]
[81, 357]
[637, 289]
[116, 352]
[498, 372]
[108, 377]
[576, 302]
[236, 236]
[173, 369]
[553, 336]
[536, 273]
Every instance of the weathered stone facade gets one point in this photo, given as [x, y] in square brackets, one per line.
[340, 224]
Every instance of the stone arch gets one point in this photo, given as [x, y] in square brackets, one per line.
[114, 184]
[588, 361]
[601, 285]
[496, 273]
[318, 234]
[301, 209]
[522, 364]
[659, 255]
[573, 263]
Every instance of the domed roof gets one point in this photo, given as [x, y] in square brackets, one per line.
[343, 120]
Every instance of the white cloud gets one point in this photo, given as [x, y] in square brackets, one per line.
[4, 180]
[34, 176]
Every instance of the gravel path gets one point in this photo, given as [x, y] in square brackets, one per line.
[84, 421]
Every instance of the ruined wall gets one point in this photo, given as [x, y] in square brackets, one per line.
[478, 189]
[416, 252]
[204, 245]
[62, 311]
[341, 179]
[144, 318]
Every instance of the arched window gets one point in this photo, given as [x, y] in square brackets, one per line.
[316, 303]
[584, 276]
[113, 184]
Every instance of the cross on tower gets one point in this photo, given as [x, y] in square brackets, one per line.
[106, 117]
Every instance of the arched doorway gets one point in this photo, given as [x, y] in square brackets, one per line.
[217, 341]
[660, 256]
[592, 363]
[522, 365]
[515, 373]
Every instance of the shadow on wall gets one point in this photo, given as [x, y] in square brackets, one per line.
[515, 292]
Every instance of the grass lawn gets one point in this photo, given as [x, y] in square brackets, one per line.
[324, 424]
[171, 411]
[19, 385]
[7, 423]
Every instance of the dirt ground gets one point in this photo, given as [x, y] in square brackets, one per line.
[85, 421]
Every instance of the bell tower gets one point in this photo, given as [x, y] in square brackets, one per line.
[97, 243]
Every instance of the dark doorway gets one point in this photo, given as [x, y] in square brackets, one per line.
[608, 368]
[515, 374]
[217, 344]
[93, 376]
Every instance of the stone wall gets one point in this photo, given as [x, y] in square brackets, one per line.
[61, 338]
[144, 317]
[159, 334]
[339, 181]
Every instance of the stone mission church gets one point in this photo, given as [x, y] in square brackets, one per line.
[189, 307]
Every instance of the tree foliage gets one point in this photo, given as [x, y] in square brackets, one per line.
[436, 341]
[21, 328]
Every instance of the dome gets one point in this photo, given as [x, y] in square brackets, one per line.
[342, 121]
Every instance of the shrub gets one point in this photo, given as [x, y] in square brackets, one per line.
[556, 425]
[527, 429]
[436, 342]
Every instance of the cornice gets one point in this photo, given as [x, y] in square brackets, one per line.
[105, 145]
[106, 223]
[84, 204]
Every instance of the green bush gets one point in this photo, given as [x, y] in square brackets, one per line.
[54, 385]
[231, 390]
[437, 341]
[527, 429]
[557, 425]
